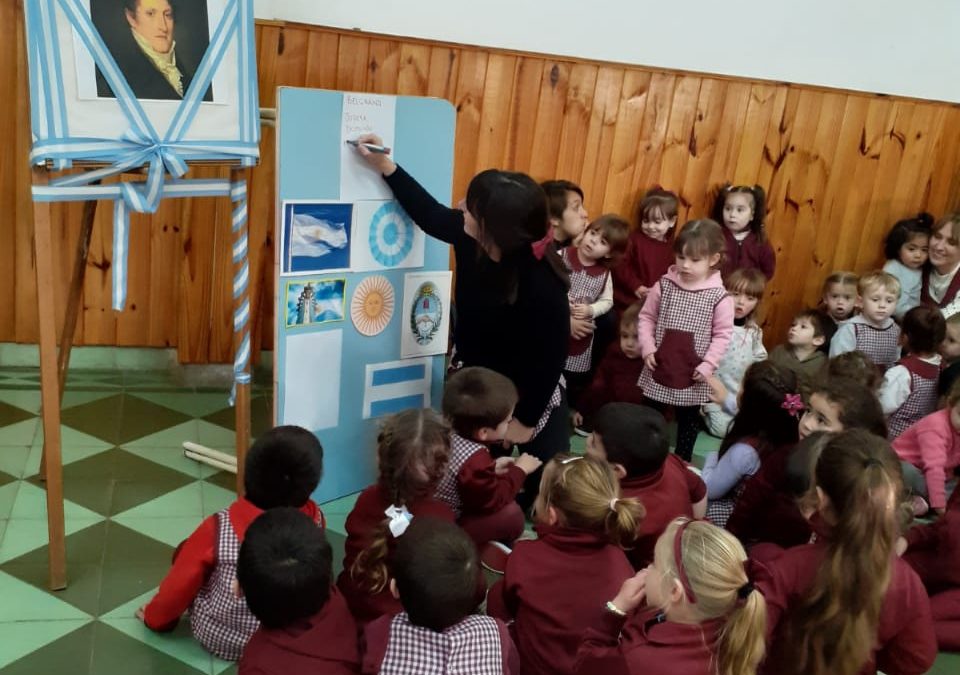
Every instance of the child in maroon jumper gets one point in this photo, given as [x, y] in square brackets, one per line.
[909, 389]
[633, 439]
[649, 249]
[478, 403]
[437, 578]
[413, 449]
[282, 469]
[847, 604]
[741, 209]
[616, 378]
[555, 587]
[933, 551]
[703, 615]
[285, 571]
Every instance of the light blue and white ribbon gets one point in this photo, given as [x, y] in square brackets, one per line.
[140, 145]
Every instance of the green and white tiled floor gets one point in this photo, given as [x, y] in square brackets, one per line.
[131, 497]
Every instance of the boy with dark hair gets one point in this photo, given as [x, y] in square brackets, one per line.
[284, 571]
[479, 403]
[437, 578]
[634, 440]
[282, 469]
[565, 211]
[807, 342]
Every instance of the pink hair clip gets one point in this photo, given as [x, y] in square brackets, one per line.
[793, 404]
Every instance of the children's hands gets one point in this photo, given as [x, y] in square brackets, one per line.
[581, 311]
[378, 160]
[141, 613]
[576, 418]
[633, 592]
[641, 292]
[528, 463]
[650, 361]
[517, 434]
[698, 376]
[502, 464]
[580, 328]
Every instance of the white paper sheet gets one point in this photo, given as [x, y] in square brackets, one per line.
[393, 386]
[363, 114]
[312, 380]
[425, 314]
[384, 237]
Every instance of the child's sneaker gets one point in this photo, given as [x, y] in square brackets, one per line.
[919, 506]
[494, 556]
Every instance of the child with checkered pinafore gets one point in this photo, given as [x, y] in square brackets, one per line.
[436, 576]
[600, 246]
[684, 329]
[909, 389]
[872, 332]
[766, 420]
[282, 469]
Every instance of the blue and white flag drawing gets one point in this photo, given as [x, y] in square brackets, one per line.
[314, 237]
[393, 386]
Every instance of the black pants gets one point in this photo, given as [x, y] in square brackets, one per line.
[553, 439]
[689, 424]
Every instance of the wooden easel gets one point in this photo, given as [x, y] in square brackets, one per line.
[54, 364]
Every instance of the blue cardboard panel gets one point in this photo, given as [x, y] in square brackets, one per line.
[308, 164]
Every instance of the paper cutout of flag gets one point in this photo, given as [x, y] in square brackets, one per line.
[315, 237]
[394, 386]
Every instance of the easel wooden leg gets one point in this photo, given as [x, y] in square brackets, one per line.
[73, 307]
[242, 401]
[50, 391]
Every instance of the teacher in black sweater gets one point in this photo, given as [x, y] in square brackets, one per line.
[511, 294]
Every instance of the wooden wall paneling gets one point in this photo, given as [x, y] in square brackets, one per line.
[702, 143]
[161, 310]
[322, 50]
[10, 51]
[268, 53]
[414, 71]
[521, 125]
[944, 184]
[654, 103]
[498, 89]
[546, 135]
[576, 121]
[219, 322]
[598, 146]
[913, 186]
[383, 67]
[629, 146]
[680, 128]
[444, 72]
[766, 106]
[132, 328]
[352, 62]
[196, 275]
[468, 101]
[99, 322]
[736, 101]
[292, 52]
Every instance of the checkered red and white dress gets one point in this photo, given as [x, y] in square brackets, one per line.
[461, 449]
[471, 647]
[880, 345]
[922, 399]
[220, 620]
[586, 286]
[683, 334]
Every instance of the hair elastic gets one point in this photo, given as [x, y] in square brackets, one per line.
[744, 591]
[678, 558]
[400, 519]
[793, 404]
[574, 458]
[613, 504]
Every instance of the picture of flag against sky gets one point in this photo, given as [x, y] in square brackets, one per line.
[317, 237]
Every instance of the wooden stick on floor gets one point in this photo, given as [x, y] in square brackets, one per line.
[73, 305]
[50, 394]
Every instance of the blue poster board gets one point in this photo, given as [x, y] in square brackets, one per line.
[330, 376]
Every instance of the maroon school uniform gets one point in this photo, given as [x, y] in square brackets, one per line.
[922, 399]
[750, 253]
[647, 644]
[614, 382]
[361, 525]
[324, 643]
[905, 639]
[554, 588]
[479, 645]
[766, 511]
[948, 295]
[666, 494]
[471, 486]
[933, 552]
[643, 263]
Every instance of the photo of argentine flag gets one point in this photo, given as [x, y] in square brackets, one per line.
[316, 237]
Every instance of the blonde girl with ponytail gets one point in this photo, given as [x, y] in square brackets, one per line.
[846, 604]
[702, 613]
[556, 586]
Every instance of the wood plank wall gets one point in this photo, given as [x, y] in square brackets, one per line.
[839, 168]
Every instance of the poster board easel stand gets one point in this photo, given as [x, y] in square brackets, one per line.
[54, 362]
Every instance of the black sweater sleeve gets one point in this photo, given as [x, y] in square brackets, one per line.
[431, 216]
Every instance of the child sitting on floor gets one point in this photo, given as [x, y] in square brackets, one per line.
[437, 579]
[282, 469]
[873, 331]
[285, 572]
[555, 587]
[839, 296]
[950, 354]
[633, 439]
[478, 403]
[413, 449]
[805, 352]
[702, 614]
[909, 389]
